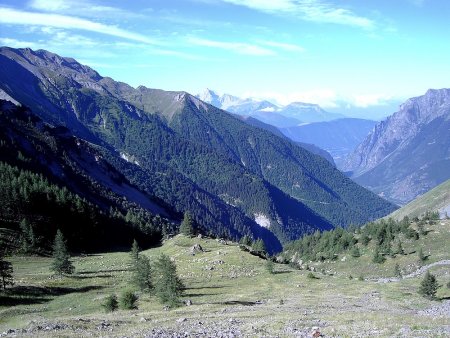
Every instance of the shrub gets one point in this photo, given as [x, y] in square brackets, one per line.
[128, 300]
[310, 275]
[270, 266]
[110, 303]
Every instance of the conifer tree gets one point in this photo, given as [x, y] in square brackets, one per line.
[187, 226]
[397, 271]
[142, 275]
[27, 238]
[134, 253]
[355, 252]
[6, 273]
[429, 286]
[400, 250]
[422, 257]
[168, 286]
[61, 258]
[377, 256]
[259, 247]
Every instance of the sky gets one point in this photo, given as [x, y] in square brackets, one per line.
[340, 54]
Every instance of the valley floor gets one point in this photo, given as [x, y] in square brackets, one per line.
[232, 295]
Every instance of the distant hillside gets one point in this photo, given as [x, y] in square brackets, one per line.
[339, 137]
[407, 154]
[274, 130]
[437, 199]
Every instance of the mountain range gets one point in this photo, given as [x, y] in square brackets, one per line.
[280, 116]
[408, 153]
[180, 153]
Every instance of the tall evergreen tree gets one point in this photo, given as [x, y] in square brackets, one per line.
[134, 253]
[6, 273]
[27, 238]
[429, 286]
[61, 258]
[187, 226]
[168, 286]
[259, 247]
[422, 257]
[142, 274]
[377, 256]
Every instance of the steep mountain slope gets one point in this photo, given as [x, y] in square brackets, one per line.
[274, 130]
[339, 137]
[189, 154]
[55, 180]
[437, 199]
[409, 153]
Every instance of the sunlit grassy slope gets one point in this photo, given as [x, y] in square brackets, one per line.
[435, 199]
[231, 289]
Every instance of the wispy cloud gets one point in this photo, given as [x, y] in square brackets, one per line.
[18, 17]
[82, 8]
[284, 46]
[325, 97]
[237, 47]
[310, 10]
[14, 43]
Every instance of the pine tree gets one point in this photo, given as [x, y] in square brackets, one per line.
[134, 253]
[259, 247]
[245, 240]
[6, 273]
[422, 257]
[397, 271]
[142, 274]
[187, 226]
[61, 258]
[400, 250]
[270, 266]
[377, 256]
[355, 252]
[429, 286]
[27, 238]
[167, 284]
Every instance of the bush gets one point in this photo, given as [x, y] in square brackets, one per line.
[110, 303]
[128, 300]
[310, 275]
[270, 266]
[448, 285]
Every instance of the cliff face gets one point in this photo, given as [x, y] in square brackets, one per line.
[408, 153]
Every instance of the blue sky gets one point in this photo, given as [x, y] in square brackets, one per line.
[353, 53]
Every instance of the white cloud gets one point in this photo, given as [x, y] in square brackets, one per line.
[237, 47]
[285, 46]
[310, 10]
[17, 43]
[325, 97]
[12, 16]
[83, 8]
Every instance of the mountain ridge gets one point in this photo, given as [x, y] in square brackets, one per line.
[408, 153]
[203, 146]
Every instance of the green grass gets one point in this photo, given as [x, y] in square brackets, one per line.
[225, 284]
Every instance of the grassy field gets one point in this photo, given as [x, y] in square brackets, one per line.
[232, 293]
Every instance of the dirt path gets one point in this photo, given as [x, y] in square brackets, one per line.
[416, 273]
